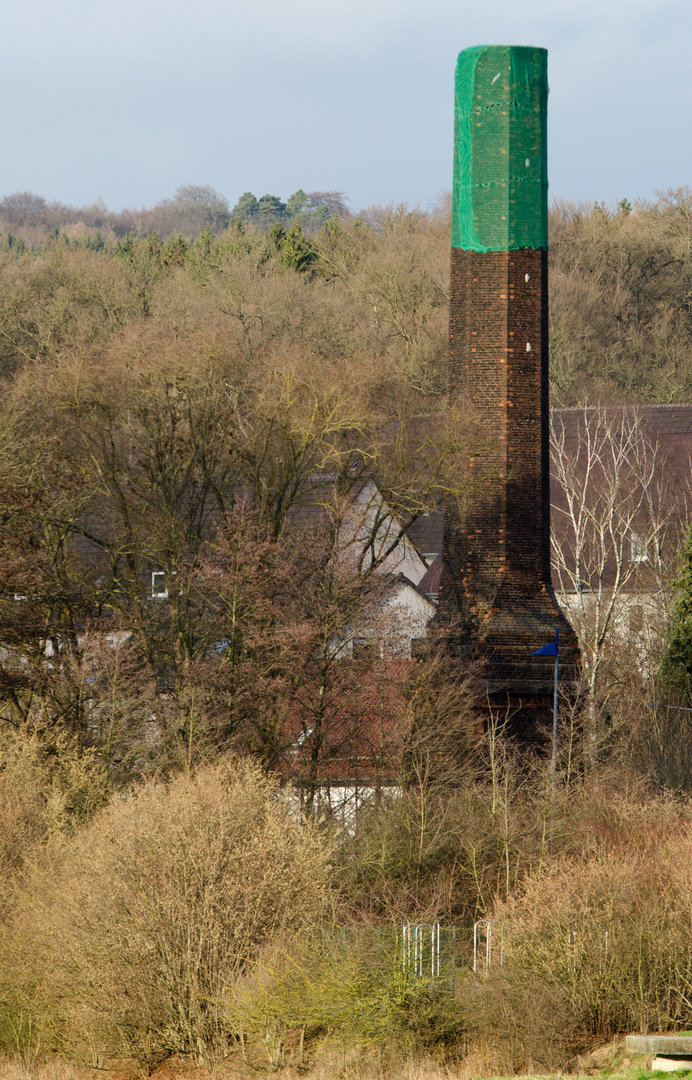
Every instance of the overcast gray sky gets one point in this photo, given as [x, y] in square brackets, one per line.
[127, 99]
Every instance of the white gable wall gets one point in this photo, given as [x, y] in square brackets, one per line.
[402, 617]
[368, 531]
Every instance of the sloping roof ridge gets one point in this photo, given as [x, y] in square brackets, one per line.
[403, 580]
[624, 405]
[430, 582]
[659, 418]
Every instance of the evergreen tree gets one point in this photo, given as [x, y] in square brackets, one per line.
[295, 250]
[271, 209]
[678, 663]
[247, 207]
[296, 204]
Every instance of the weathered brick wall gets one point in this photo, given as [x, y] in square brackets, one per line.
[496, 576]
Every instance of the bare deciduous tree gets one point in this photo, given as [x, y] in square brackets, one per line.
[611, 520]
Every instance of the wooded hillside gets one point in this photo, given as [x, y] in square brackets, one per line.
[371, 288]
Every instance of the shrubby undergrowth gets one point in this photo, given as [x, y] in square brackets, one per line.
[204, 917]
[128, 934]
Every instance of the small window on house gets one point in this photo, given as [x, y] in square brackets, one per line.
[638, 548]
[636, 618]
[158, 585]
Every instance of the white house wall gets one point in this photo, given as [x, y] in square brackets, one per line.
[402, 618]
[369, 530]
[639, 622]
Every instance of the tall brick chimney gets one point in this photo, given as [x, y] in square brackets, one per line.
[496, 590]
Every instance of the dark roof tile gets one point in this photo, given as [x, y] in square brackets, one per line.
[429, 584]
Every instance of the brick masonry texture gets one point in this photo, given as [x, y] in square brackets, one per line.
[496, 586]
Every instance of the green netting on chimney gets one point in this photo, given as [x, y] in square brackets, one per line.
[500, 196]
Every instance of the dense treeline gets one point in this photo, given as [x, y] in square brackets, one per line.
[620, 301]
[372, 284]
[357, 291]
[29, 219]
[188, 417]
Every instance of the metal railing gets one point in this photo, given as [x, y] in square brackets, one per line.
[421, 949]
[494, 951]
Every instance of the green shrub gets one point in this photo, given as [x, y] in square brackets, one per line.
[350, 987]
